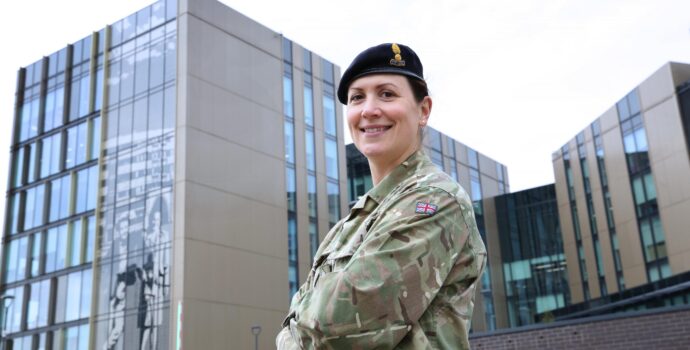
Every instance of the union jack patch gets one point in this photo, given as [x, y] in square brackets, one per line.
[425, 208]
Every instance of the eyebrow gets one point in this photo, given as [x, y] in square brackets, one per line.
[376, 87]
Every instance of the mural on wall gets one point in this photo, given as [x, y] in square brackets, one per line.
[134, 260]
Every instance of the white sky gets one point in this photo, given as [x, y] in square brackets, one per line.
[512, 79]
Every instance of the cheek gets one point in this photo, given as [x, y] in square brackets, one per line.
[352, 119]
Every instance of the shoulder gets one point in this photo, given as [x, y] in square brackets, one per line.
[431, 181]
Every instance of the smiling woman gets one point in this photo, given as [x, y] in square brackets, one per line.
[401, 269]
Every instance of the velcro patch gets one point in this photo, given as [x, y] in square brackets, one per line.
[425, 208]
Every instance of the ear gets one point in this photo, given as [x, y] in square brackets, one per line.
[425, 106]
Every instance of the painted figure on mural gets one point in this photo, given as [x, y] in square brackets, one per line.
[118, 249]
[154, 275]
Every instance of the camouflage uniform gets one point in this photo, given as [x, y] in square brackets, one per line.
[399, 272]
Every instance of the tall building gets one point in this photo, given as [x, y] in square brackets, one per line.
[478, 174]
[529, 275]
[623, 190]
[171, 176]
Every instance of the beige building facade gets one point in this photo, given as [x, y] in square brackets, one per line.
[623, 189]
[172, 175]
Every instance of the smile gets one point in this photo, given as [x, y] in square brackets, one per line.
[374, 129]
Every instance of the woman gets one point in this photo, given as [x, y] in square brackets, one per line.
[400, 270]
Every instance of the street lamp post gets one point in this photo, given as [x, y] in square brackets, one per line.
[256, 330]
[5, 301]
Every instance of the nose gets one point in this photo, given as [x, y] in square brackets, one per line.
[371, 109]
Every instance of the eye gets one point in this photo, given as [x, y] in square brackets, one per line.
[387, 94]
[356, 97]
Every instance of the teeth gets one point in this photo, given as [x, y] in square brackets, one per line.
[375, 129]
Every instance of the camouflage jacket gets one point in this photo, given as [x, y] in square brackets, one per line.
[399, 271]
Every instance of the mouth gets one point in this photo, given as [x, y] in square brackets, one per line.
[375, 129]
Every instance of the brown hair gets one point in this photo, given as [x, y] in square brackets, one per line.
[419, 88]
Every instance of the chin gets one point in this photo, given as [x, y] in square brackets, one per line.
[370, 151]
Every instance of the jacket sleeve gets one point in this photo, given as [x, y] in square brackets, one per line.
[372, 298]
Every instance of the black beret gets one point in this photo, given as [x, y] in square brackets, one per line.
[385, 58]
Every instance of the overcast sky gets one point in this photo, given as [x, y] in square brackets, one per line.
[512, 79]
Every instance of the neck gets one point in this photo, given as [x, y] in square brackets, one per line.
[381, 168]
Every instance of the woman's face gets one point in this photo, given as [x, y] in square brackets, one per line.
[384, 117]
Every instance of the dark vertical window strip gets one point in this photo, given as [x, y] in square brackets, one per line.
[684, 102]
[330, 127]
[608, 208]
[310, 151]
[576, 226]
[642, 185]
[591, 214]
[290, 178]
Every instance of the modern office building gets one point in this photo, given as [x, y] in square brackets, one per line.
[623, 189]
[171, 175]
[529, 274]
[478, 174]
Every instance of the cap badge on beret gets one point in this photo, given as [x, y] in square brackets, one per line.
[397, 59]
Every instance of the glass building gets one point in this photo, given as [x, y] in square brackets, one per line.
[534, 267]
[144, 206]
[624, 202]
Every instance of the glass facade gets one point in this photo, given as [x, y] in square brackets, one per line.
[290, 176]
[591, 214]
[358, 174]
[134, 267]
[534, 266]
[330, 142]
[644, 190]
[608, 206]
[576, 222]
[476, 196]
[310, 152]
[70, 181]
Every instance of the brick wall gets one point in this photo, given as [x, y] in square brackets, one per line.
[651, 329]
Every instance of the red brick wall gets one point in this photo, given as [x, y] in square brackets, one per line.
[663, 329]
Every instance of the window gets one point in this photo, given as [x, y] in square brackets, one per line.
[39, 303]
[75, 243]
[287, 96]
[16, 259]
[50, 155]
[75, 153]
[33, 210]
[36, 254]
[311, 195]
[308, 106]
[331, 159]
[95, 138]
[310, 150]
[56, 248]
[31, 172]
[290, 185]
[14, 310]
[473, 158]
[87, 190]
[18, 168]
[73, 296]
[333, 202]
[289, 142]
[13, 218]
[60, 198]
[434, 139]
[329, 118]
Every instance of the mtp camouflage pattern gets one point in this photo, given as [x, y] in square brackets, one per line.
[389, 276]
